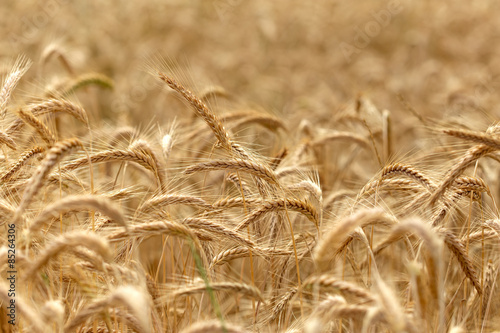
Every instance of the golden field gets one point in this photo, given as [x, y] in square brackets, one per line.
[249, 166]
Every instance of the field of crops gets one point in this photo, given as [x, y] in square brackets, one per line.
[249, 166]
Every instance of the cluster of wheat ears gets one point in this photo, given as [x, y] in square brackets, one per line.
[196, 230]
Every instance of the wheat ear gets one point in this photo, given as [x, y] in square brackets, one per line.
[328, 246]
[138, 156]
[20, 162]
[201, 110]
[211, 227]
[70, 240]
[409, 171]
[20, 67]
[300, 206]
[79, 202]
[347, 288]
[127, 295]
[256, 169]
[54, 155]
[161, 201]
[7, 140]
[50, 106]
[39, 127]
[242, 251]
[242, 288]
[84, 80]
[489, 139]
[457, 248]
[472, 155]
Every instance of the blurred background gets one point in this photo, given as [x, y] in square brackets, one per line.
[293, 58]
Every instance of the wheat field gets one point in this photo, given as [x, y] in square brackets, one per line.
[249, 166]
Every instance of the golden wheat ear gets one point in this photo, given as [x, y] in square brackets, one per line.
[201, 109]
[20, 67]
[53, 156]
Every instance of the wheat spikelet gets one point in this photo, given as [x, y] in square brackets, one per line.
[241, 288]
[211, 227]
[325, 306]
[256, 169]
[300, 206]
[50, 106]
[235, 202]
[52, 157]
[488, 139]
[39, 127]
[240, 184]
[96, 79]
[138, 156]
[479, 236]
[7, 140]
[130, 296]
[449, 200]
[242, 251]
[282, 303]
[13, 168]
[78, 202]
[388, 185]
[469, 184]
[347, 288]
[489, 288]
[143, 147]
[329, 244]
[68, 241]
[201, 110]
[409, 171]
[309, 186]
[494, 225]
[20, 67]
[458, 250]
[472, 155]
[158, 202]
[152, 228]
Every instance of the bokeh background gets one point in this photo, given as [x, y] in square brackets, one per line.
[290, 57]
